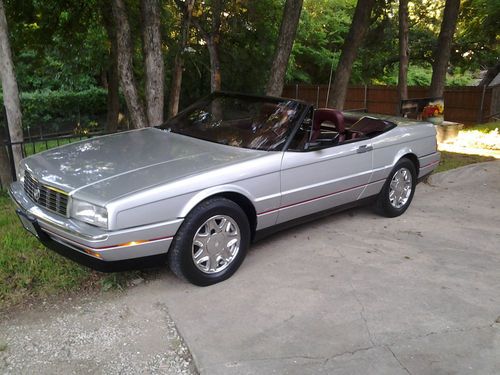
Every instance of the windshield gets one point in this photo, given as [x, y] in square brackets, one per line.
[240, 121]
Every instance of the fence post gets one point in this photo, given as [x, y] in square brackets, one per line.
[481, 107]
[296, 91]
[366, 98]
[317, 97]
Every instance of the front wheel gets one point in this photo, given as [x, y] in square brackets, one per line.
[211, 242]
[398, 190]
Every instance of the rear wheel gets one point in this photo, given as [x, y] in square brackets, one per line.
[398, 191]
[211, 243]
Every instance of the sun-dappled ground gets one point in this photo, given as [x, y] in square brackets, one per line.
[474, 144]
[482, 140]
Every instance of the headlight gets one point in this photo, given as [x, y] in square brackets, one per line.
[20, 172]
[89, 213]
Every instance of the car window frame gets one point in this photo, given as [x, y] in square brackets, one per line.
[294, 124]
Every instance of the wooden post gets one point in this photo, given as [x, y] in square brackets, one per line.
[366, 98]
[481, 107]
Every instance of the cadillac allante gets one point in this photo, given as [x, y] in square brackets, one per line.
[195, 191]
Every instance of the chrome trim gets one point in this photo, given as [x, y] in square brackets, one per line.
[45, 196]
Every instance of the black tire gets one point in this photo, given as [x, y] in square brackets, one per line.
[180, 258]
[383, 205]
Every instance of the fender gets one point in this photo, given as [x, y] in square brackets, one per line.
[207, 193]
[402, 152]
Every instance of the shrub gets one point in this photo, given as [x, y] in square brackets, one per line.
[61, 111]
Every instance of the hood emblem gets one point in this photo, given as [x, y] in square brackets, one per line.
[36, 194]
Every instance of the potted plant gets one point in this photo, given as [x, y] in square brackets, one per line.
[434, 112]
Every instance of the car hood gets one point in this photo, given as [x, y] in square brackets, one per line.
[105, 168]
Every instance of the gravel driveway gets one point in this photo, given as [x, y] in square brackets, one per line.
[118, 333]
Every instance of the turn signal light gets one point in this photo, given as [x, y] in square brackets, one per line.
[93, 253]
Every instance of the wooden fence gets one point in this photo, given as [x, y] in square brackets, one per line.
[466, 105]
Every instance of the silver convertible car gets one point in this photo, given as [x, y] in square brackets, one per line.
[195, 191]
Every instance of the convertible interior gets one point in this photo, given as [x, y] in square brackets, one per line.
[327, 127]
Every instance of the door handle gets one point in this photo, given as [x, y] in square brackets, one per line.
[364, 148]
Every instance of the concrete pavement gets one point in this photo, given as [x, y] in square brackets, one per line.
[357, 293]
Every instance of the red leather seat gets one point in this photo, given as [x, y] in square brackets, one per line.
[326, 114]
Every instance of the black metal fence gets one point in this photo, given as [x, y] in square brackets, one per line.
[41, 142]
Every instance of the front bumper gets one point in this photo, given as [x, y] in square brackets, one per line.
[90, 245]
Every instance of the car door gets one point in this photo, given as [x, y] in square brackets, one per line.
[312, 181]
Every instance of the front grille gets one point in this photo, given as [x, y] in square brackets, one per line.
[45, 196]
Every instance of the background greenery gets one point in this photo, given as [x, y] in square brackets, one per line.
[50, 111]
[61, 49]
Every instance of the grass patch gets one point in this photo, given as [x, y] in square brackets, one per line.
[483, 128]
[452, 160]
[39, 146]
[28, 270]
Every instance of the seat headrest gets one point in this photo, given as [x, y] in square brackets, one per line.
[327, 114]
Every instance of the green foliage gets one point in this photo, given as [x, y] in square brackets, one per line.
[248, 38]
[484, 128]
[57, 45]
[59, 111]
[63, 46]
[477, 44]
[322, 29]
[420, 75]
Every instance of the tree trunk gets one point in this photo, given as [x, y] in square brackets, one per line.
[213, 51]
[403, 53]
[175, 89]
[357, 31]
[113, 99]
[112, 77]
[490, 75]
[10, 90]
[443, 50]
[153, 61]
[5, 171]
[288, 30]
[125, 66]
[176, 85]
[212, 40]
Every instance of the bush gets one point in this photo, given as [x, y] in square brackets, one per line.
[62, 111]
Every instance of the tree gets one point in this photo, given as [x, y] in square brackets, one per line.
[112, 81]
[490, 75]
[10, 90]
[403, 51]
[211, 36]
[323, 26]
[5, 171]
[175, 88]
[357, 31]
[476, 44]
[289, 24]
[443, 49]
[125, 66]
[153, 61]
